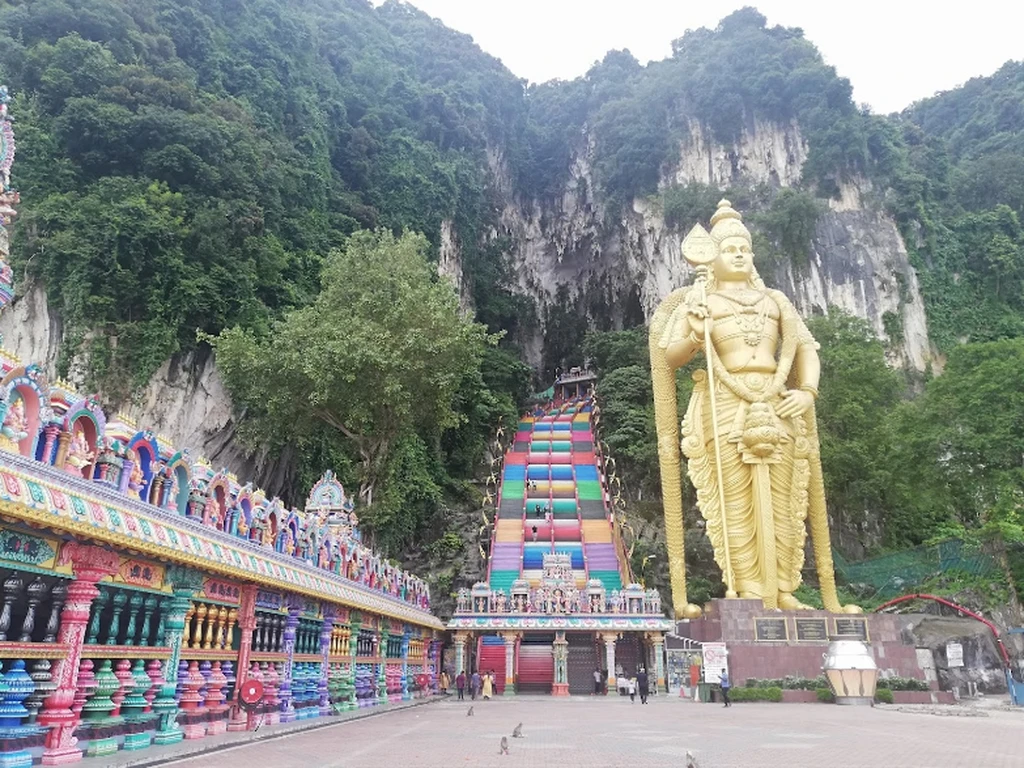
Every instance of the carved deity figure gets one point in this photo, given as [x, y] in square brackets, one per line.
[136, 478]
[751, 439]
[79, 455]
[15, 426]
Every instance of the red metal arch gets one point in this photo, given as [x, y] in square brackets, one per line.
[959, 609]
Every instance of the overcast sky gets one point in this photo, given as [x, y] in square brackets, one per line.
[893, 51]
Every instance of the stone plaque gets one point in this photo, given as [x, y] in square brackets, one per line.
[811, 630]
[852, 627]
[771, 630]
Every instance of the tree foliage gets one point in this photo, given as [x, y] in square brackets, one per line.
[381, 356]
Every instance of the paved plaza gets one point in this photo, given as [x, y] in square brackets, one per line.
[612, 732]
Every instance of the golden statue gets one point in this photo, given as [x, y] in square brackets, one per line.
[750, 435]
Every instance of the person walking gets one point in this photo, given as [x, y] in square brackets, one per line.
[631, 685]
[489, 684]
[725, 685]
[597, 681]
[474, 685]
[460, 685]
[445, 682]
[643, 683]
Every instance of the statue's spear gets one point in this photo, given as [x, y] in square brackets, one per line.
[700, 251]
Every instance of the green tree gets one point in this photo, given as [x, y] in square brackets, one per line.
[379, 355]
[859, 396]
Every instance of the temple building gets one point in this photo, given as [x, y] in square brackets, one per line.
[140, 587]
[560, 601]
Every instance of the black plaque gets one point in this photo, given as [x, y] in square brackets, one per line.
[811, 630]
[852, 627]
[768, 630]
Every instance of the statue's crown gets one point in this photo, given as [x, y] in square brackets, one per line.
[727, 222]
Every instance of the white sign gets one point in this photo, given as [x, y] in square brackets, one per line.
[954, 654]
[716, 661]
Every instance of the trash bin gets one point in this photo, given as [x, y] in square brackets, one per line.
[704, 691]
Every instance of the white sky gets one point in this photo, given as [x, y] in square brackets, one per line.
[893, 51]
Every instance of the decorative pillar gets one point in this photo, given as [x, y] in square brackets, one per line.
[89, 564]
[510, 660]
[658, 645]
[355, 623]
[406, 636]
[609, 657]
[285, 691]
[326, 633]
[184, 583]
[461, 638]
[240, 721]
[560, 650]
[382, 653]
[50, 431]
[436, 647]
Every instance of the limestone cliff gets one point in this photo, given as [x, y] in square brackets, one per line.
[185, 400]
[610, 259]
[616, 263]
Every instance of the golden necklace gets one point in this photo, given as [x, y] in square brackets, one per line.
[752, 327]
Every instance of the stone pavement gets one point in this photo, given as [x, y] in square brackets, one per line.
[592, 733]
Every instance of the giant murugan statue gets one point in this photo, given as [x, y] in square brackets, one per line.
[749, 435]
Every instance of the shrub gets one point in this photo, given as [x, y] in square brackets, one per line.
[756, 694]
[788, 683]
[896, 683]
[825, 695]
[883, 696]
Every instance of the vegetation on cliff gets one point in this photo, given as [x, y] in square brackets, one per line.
[217, 166]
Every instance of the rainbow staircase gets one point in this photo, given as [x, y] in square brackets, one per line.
[552, 500]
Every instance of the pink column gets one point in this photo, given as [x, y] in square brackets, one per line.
[90, 564]
[240, 721]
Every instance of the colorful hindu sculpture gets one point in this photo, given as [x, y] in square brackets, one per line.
[15, 425]
[142, 588]
[79, 455]
[750, 435]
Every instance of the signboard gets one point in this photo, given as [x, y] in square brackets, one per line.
[716, 661]
[852, 627]
[811, 630]
[771, 630]
[954, 654]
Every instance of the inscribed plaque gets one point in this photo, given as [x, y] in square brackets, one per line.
[771, 630]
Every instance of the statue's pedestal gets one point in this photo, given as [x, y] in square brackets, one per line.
[768, 644]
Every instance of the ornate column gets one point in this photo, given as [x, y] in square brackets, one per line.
[382, 653]
[50, 431]
[326, 633]
[240, 721]
[609, 657]
[658, 644]
[461, 638]
[406, 693]
[285, 690]
[90, 564]
[560, 649]
[436, 647]
[510, 660]
[355, 623]
[184, 583]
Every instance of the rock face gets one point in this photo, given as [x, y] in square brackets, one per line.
[185, 400]
[982, 661]
[616, 264]
[612, 261]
